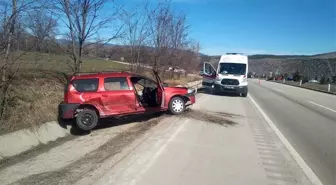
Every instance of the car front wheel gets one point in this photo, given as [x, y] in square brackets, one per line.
[87, 119]
[176, 106]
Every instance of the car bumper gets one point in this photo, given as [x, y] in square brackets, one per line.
[230, 88]
[67, 111]
[191, 97]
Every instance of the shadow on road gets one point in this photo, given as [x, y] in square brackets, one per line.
[107, 122]
[208, 92]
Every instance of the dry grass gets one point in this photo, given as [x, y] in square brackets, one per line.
[32, 101]
[60, 63]
[181, 81]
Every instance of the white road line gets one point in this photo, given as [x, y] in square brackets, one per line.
[303, 165]
[158, 153]
[332, 110]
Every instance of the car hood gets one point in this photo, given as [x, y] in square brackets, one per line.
[176, 88]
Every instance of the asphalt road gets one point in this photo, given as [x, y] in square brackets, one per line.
[308, 121]
[222, 140]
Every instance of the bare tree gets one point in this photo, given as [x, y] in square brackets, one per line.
[178, 39]
[42, 25]
[9, 29]
[136, 32]
[11, 12]
[160, 20]
[84, 20]
[169, 37]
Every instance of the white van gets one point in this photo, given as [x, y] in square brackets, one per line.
[229, 76]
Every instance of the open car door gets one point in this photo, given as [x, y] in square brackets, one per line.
[209, 75]
[160, 89]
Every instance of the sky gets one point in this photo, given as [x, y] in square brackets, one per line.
[261, 26]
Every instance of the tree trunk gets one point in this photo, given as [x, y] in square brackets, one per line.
[9, 40]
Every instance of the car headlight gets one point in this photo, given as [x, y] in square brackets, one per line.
[190, 90]
[244, 80]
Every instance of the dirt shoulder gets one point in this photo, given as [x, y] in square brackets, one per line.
[72, 160]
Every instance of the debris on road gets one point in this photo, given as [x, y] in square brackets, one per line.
[212, 117]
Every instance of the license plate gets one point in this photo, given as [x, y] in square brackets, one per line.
[228, 87]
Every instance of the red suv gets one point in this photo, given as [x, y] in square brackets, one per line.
[88, 97]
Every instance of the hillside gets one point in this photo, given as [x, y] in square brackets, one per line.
[310, 66]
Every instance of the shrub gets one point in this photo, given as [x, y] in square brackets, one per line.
[323, 80]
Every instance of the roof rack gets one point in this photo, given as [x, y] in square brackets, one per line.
[99, 72]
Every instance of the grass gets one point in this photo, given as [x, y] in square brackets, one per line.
[31, 102]
[312, 86]
[181, 81]
[37, 89]
[44, 61]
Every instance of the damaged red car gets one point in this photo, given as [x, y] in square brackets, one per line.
[89, 97]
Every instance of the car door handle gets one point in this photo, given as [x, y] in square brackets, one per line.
[104, 95]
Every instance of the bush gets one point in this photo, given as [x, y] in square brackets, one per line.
[297, 76]
[323, 80]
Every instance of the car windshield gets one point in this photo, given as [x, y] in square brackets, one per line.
[230, 68]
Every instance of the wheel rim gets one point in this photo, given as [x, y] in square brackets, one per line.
[87, 119]
[177, 105]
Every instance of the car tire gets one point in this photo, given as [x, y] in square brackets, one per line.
[244, 94]
[176, 106]
[87, 119]
[213, 91]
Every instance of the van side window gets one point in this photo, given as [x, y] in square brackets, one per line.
[115, 84]
[209, 69]
[86, 85]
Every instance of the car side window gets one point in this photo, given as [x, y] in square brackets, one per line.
[147, 83]
[86, 85]
[115, 84]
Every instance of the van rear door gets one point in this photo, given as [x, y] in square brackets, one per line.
[209, 75]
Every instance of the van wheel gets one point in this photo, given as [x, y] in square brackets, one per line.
[176, 106]
[244, 94]
[213, 91]
[87, 119]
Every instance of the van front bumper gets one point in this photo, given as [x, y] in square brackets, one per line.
[230, 88]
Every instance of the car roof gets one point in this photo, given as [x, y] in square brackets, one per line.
[105, 74]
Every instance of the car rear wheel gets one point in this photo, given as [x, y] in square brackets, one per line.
[87, 119]
[176, 106]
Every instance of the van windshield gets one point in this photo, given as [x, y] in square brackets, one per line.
[234, 69]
